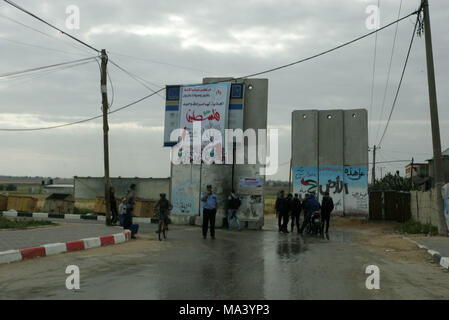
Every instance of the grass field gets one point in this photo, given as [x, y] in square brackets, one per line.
[22, 223]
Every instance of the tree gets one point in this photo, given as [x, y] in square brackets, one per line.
[391, 182]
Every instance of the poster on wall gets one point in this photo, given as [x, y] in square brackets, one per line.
[251, 182]
[356, 199]
[305, 180]
[207, 104]
[251, 207]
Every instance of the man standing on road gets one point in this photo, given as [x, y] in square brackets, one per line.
[113, 202]
[327, 205]
[234, 203]
[128, 217]
[296, 211]
[210, 206]
[280, 203]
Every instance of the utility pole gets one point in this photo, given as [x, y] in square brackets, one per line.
[290, 189]
[411, 174]
[436, 141]
[373, 175]
[104, 96]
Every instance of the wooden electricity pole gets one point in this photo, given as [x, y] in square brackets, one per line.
[436, 141]
[104, 96]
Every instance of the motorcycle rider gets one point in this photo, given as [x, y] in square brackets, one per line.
[310, 207]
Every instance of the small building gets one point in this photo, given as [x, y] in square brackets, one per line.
[59, 203]
[419, 170]
[59, 188]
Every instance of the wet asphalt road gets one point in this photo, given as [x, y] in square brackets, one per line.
[236, 265]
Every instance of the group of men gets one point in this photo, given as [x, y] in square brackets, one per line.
[290, 206]
[285, 207]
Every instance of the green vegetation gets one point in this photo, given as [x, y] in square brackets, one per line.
[78, 210]
[415, 227]
[23, 223]
[391, 183]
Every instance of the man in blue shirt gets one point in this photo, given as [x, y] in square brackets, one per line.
[210, 206]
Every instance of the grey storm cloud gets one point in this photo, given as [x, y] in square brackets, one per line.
[180, 42]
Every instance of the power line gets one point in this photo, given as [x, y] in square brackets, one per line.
[39, 47]
[49, 24]
[328, 51]
[29, 77]
[247, 76]
[42, 32]
[374, 70]
[389, 71]
[15, 73]
[135, 77]
[85, 120]
[400, 81]
[158, 62]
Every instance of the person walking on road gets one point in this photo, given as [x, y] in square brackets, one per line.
[234, 203]
[327, 205]
[296, 212]
[210, 206]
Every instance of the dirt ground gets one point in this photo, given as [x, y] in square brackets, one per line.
[382, 238]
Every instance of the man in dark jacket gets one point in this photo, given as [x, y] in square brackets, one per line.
[113, 205]
[279, 207]
[327, 205]
[285, 211]
[296, 211]
[310, 207]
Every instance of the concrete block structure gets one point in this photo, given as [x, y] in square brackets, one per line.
[330, 153]
[189, 181]
[146, 188]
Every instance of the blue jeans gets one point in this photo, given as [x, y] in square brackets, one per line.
[232, 213]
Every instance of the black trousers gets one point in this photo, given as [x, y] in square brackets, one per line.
[128, 218]
[284, 221]
[295, 218]
[279, 220]
[209, 217]
[325, 218]
[114, 214]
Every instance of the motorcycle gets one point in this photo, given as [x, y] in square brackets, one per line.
[314, 226]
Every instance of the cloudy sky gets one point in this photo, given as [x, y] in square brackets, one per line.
[180, 42]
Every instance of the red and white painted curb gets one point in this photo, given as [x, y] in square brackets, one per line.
[55, 248]
[436, 256]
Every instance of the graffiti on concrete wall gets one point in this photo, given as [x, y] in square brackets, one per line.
[185, 198]
[356, 201]
[348, 186]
